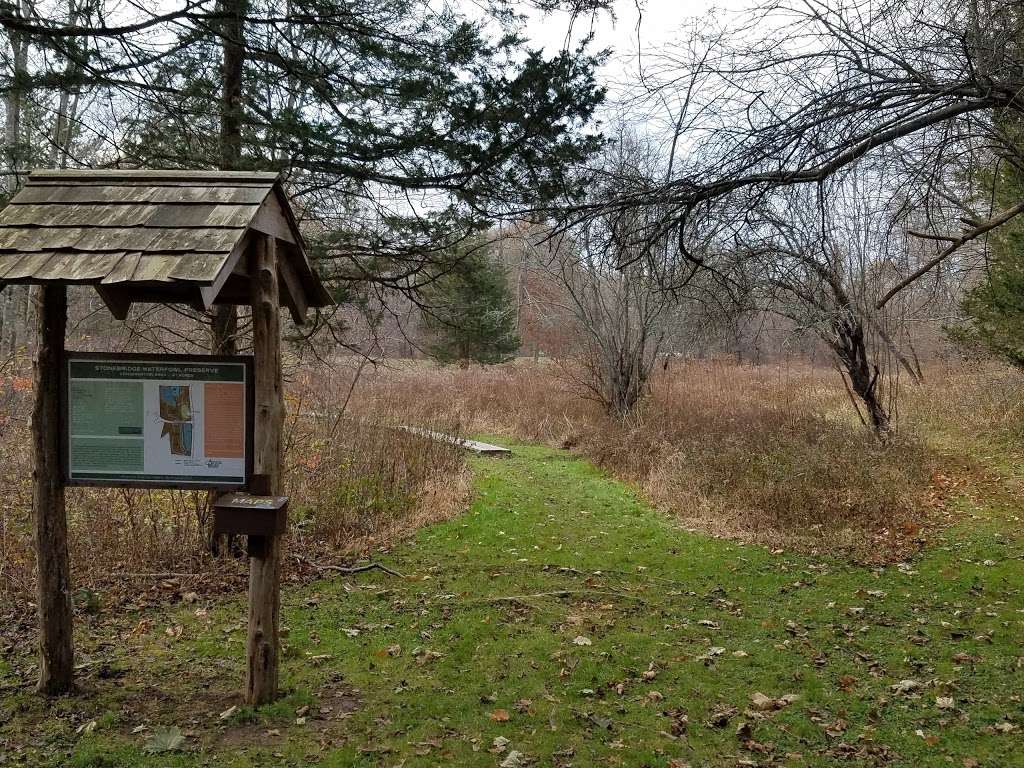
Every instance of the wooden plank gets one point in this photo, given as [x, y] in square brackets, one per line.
[232, 215]
[120, 176]
[125, 269]
[484, 449]
[117, 239]
[64, 194]
[204, 215]
[60, 266]
[45, 261]
[199, 267]
[209, 293]
[271, 221]
[181, 216]
[316, 294]
[196, 240]
[27, 266]
[118, 300]
[120, 239]
[293, 294]
[14, 239]
[97, 195]
[235, 195]
[70, 215]
[77, 267]
[9, 261]
[155, 268]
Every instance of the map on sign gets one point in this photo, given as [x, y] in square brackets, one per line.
[162, 421]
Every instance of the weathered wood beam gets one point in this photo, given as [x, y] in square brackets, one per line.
[118, 302]
[271, 221]
[263, 645]
[53, 577]
[243, 246]
[294, 292]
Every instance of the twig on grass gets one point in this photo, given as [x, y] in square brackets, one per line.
[348, 570]
[561, 593]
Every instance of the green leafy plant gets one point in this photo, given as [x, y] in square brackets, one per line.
[165, 740]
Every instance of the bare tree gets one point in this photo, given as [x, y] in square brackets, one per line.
[803, 89]
[622, 313]
[620, 319]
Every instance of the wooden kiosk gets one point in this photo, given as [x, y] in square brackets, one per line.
[187, 237]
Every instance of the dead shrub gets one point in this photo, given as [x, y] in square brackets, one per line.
[767, 454]
[355, 484]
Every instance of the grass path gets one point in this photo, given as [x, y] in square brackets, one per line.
[563, 622]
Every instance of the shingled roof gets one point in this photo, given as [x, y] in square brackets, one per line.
[165, 236]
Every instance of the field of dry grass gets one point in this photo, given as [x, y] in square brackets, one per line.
[769, 454]
[355, 486]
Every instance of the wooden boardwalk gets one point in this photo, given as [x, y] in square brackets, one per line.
[483, 449]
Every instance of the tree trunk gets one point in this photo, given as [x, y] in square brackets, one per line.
[13, 147]
[232, 113]
[224, 322]
[265, 562]
[851, 349]
[53, 578]
[13, 100]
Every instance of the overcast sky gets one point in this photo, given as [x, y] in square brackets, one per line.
[659, 21]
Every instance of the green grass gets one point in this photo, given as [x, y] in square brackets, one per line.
[486, 624]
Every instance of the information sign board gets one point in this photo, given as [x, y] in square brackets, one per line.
[163, 421]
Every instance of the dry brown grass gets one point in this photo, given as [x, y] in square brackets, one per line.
[770, 454]
[354, 485]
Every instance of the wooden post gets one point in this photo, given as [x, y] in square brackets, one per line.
[265, 552]
[53, 578]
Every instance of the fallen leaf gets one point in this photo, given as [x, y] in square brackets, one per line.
[524, 707]
[710, 655]
[721, 717]
[905, 686]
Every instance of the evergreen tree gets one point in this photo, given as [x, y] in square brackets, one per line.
[471, 317]
[402, 126]
[995, 306]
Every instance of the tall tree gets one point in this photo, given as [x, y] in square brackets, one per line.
[821, 86]
[224, 323]
[471, 315]
[403, 126]
[994, 307]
